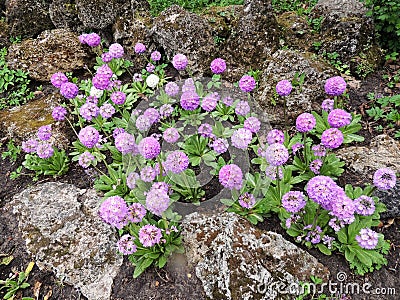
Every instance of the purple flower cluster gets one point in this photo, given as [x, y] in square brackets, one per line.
[322, 190]
[335, 86]
[152, 114]
[247, 83]
[179, 61]
[106, 57]
[126, 244]
[155, 56]
[367, 239]
[364, 205]
[150, 68]
[276, 154]
[305, 122]
[176, 162]
[85, 159]
[293, 201]
[332, 138]
[327, 104]
[283, 88]
[157, 199]
[253, 124]
[44, 150]
[319, 150]
[315, 166]
[149, 235]
[89, 136]
[314, 235]
[117, 131]
[241, 138]
[220, 145]
[118, 97]
[231, 177]
[296, 147]
[342, 207]
[205, 130]
[242, 108]
[136, 213]
[338, 118]
[116, 50]
[209, 102]
[89, 110]
[140, 48]
[90, 39]
[107, 110]
[114, 211]
[190, 100]
[218, 66]
[69, 90]
[171, 135]
[228, 101]
[125, 143]
[58, 79]
[166, 110]
[384, 179]
[247, 200]
[44, 132]
[59, 113]
[147, 174]
[270, 172]
[30, 146]
[149, 147]
[131, 180]
[171, 89]
[143, 123]
[275, 136]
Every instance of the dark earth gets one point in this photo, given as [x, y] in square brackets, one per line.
[177, 280]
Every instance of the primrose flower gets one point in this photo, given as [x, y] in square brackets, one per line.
[152, 114]
[89, 136]
[89, 110]
[315, 166]
[177, 162]
[106, 57]
[327, 104]
[171, 89]
[231, 177]
[209, 102]
[305, 122]
[59, 113]
[190, 100]
[220, 145]
[228, 101]
[92, 39]
[247, 83]
[69, 90]
[179, 61]
[118, 97]
[319, 150]
[338, 118]
[367, 239]
[44, 150]
[58, 79]
[131, 180]
[242, 108]
[152, 80]
[252, 124]
[149, 235]
[150, 68]
[218, 66]
[107, 110]
[136, 213]
[44, 132]
[126, 244]
[116, 50]
[114, 211]
[283, 88]
[30, 146]
[85, 159]
[143, 123]
[385, 179]
[332, 138]
[155, 56]
[140, 48]
[276, 154]
[275, 136]
[171, 135]
[247, 200]
[205, 130]
[364, 205]
[335, 86]
[293, 201]
[147, 174]
[241, 138]
[125, 143]
[149, 147]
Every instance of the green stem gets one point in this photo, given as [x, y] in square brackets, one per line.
[285, 114]
[305, 148]
[278, 181]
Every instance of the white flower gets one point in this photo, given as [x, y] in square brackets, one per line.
[95, 92]
[152, 80]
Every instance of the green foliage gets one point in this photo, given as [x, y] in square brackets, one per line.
[333, 58]
[12, 151]
[14, 88]
[386, 109]
[299, 6]
[387, 22]
[157, 6]
[16, 282]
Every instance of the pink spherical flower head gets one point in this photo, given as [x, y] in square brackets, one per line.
[177, 162]
[231, 177]
[205, 130]
[157, 201]
[209, 102]
[92, 39]
[385, 179]
[241, 138]
[275, 136]
[85, 159]
[89, 136]
[118, 97]
[57, 79]
[293, 201]
[364, 205]
[335, 86]
[126, 244]
[140, 48]
[69, 90]
[305, 122]
[283, 88]
[125, 143]
[190, 100]
[171, 89]
[149, 147]
[44, 150]
[155, 56]
[367, 239]
[149, 235]
[59, 113]
[30, 146]
[247, 200]
[218, 66]
[242, 108]
[114, 211]
[136, 213]
[332, 138]
[179, 61]
[171, 135]
[253, 124]
[338, 118]
[116, 50]
[276, 154]
[327, 104]
[220, 145]
[106, 57]
[44, 132]
[247, 83]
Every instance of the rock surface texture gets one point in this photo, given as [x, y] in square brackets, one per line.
[57, 50]
[284, 65]
[234, 260]
[64, 233]
[382, 152]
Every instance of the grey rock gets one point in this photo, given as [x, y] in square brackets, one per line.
[64, 14]
[57, 50]
[382, 152]
[97, 14]
[64, 233]
[284, 64]
[346, 29]
[234, 260]
[28, 18]
[253, 40]
[178, 31]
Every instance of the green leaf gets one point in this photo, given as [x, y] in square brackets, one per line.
[142, 266]
[324, 249]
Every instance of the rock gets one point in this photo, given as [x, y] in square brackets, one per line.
[382, 152]
[284, 64]
[252, 41]
[64, 233]
[178, 31]
[22, 122]
[28, 18]
[235, 260]
[57, 50]
[4, 38]
[346, 29]
[64, 14]
[98, 14]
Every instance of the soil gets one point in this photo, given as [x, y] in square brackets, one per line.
[178, 280]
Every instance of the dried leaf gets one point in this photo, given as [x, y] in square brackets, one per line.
[48, 295]
[6, 260]
[36, 289]
[389, 223]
